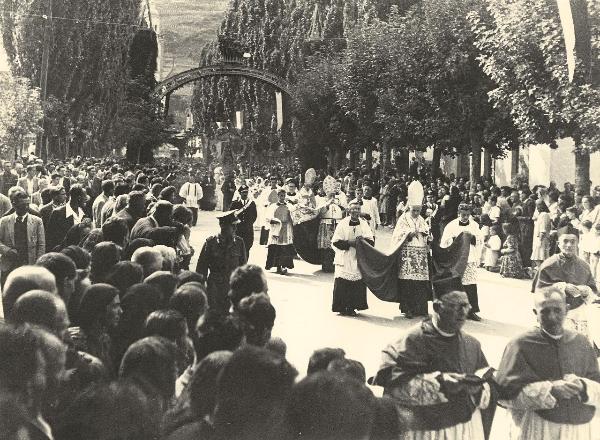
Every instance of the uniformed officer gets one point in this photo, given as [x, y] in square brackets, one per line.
[220, 256]
[246, 213]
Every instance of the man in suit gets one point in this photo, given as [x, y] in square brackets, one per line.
[59, 196]
[30, 183]
[162, 216]
[246, 214]
[63, 218]
[9, 178]
[22, 238]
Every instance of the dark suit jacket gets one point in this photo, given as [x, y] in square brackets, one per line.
[57, 228]
[245, 229]
[124, 214]
[45, 212]
[142, 228]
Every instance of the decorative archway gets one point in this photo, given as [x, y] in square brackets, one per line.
[169, 85]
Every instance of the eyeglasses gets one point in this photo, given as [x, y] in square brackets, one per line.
[457, 306]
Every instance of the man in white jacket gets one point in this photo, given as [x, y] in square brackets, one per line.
[191, 193]
[465, 223]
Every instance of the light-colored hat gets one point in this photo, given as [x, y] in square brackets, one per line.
[416, 194]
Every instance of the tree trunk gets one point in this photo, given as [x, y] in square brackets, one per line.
[402, 161]
[369, 156]
[582, 170]
[435, 164]
[487, 164]
[475, 170]
[514, 165]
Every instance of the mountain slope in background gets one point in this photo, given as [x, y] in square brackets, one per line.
[185, 27]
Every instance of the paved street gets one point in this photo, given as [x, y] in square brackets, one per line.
[305, 321]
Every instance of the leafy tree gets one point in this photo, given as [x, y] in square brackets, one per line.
[20, 113]
[430, 89]
[87, 64]
[523, 52]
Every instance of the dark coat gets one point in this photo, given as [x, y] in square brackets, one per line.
[245, 229]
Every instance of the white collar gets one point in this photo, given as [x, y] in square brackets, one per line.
[434, 320]
[70, 213]
[24, 218]
[555, 337]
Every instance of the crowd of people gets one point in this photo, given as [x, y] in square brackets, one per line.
[107, 333]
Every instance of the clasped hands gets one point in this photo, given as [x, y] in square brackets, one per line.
[352, 243]
[454, 383]
[567, 388]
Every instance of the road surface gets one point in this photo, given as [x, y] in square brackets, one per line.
[302, 299]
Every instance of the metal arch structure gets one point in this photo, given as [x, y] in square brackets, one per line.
[169, 85]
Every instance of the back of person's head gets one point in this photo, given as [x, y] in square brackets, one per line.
[251, 393]
[94, 304]
[169, 256]
[43, 309]
[138, 302]
[149, 258]
[203, 385]
[169, 324]
[152, 361]
[134, 245]
[189, 300]
[76, 191]
[324, 406]
[115, 230]
[257, 316]
[188, 276]
[348, 367]
[182, 214]
[104, 256]
[121, 189]
[124, 274]
[216, 331]
[61, 266]
[22, 280]
[20, 360]
[246, 280]
[321, 358]
[116, 410]
[277, 346]
[80, 256]
[165, 281]
[108, 186]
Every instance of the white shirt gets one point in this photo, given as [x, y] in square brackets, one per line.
[191, 192]
[77, 216]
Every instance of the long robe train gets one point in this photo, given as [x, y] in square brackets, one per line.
[305, 241]
[380, 270]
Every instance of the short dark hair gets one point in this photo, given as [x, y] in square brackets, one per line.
[80, 256]
[257, 316]
[324, 406]
[76, 191]
[37, 307]
[189, 300]
[348, 367]
[152, 360]
[108, 186]
[216, 331]
[61, 266]
[92, 308]
[244, 281]
[320, 359]
[167, 323]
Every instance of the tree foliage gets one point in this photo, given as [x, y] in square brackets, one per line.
[523, 52]
[87, 73]
[20, 112]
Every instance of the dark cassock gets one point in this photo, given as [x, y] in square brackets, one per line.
[349, 290]
[246, 214]
[219, 257]
[570, 274]
[530, 364]
[280, 251]
[411, 371]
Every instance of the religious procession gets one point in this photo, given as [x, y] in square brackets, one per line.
[299, 220]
